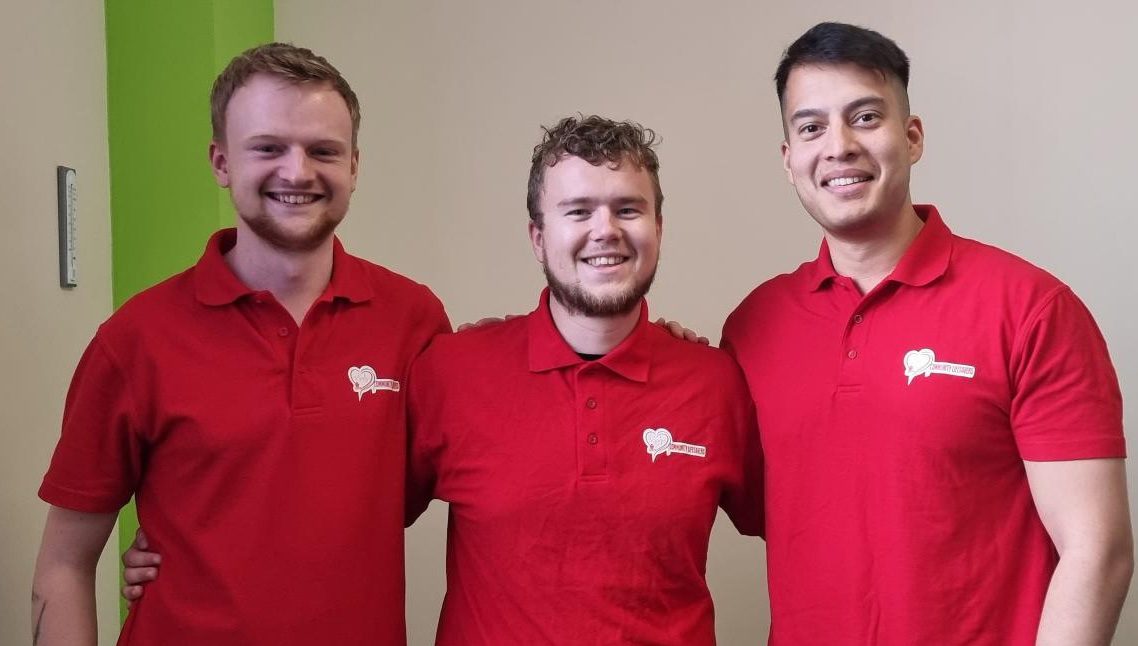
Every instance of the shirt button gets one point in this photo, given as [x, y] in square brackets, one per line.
[593, 439]
[858, 318]
[591, 403]
[852, 354]
[282, 331]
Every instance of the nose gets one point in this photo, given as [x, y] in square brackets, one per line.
[296, 167]
[841, 142]
[604, 225]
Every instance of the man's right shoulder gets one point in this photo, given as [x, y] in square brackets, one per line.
[770, 293]
[485, 344]
[157, 305]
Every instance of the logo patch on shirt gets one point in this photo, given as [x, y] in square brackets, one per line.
[923, 362]
[364, 380]
[659, 440]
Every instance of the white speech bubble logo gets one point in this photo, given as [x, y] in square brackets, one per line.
[363, 380]
[919, 362]
[658, 440]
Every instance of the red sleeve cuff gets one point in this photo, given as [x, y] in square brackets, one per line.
[1102, 446]
[76, 501]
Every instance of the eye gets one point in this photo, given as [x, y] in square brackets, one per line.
[866, 118]
[578, 214]
[628, 212]
[809, 130]
[325, 152]
[266, 149]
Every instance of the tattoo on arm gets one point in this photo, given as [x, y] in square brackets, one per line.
[38, 606]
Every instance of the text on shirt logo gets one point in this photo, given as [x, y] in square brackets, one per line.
[364, 380]
[659, 440]
[923, 362]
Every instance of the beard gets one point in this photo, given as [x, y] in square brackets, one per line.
[311, 237]
[578, 301]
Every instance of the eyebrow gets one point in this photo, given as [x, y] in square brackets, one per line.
[270, 138]
[856, 104]
[589, 201]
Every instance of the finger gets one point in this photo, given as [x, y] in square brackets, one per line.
[463, 326]
[690, 335]
[703, 340]
[511, 316]
[132, 592]
[139, 575]
[140, 540]
[137, 558]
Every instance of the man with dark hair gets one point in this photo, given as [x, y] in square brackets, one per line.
[251, 402]
[948, 470]
[583, 451]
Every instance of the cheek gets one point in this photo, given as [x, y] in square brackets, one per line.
[798, 168]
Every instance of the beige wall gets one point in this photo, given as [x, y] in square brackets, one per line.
[1028, 109]
[53, 74]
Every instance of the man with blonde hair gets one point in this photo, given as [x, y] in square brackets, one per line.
[250, 403]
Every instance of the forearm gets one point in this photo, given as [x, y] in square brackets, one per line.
[63, 590]
[63, 606]
[1085, 597]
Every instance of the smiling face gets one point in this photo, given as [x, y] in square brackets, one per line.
[598, 239]
[850, 144]
[288, 160]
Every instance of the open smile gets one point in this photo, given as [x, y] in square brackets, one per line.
[605, 261]
[293, 198]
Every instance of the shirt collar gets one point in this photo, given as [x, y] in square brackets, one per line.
[216, 284]
[924, 261]
[548, 350]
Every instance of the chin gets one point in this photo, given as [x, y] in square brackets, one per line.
[306, 238]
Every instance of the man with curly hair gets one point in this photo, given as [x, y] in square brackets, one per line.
[583, 451]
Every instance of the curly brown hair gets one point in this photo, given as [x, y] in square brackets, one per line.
[289, 62]
[596, 140]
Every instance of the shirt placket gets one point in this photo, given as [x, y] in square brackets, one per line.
[281, 331]
[854, 308]
[591, 440]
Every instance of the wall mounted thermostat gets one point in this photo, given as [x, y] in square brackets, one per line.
[68, 235]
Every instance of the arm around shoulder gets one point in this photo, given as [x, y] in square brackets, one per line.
[63, 590]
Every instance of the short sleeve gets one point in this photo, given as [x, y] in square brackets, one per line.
[743, 498]
[424, 442]
[1066, 403]
[96, 466]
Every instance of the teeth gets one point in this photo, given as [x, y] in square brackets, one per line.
[292, 198]
[603, 261]
[846, 181]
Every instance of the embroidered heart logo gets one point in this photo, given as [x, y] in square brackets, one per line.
[363, 380]
[658, 440]
[918, 362]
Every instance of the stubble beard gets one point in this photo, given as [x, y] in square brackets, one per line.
[267, 229]
[578, 301]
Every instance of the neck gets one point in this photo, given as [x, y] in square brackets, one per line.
[592, 334]
[295, 278]
[867, 257]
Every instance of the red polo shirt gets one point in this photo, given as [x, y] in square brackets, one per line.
[895, 426]
[582, 493]
[267, 460]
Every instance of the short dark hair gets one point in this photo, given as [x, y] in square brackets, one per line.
[596, 140]
[832, 43]
[283, 60]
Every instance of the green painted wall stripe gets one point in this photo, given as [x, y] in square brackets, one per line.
[162, 58]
